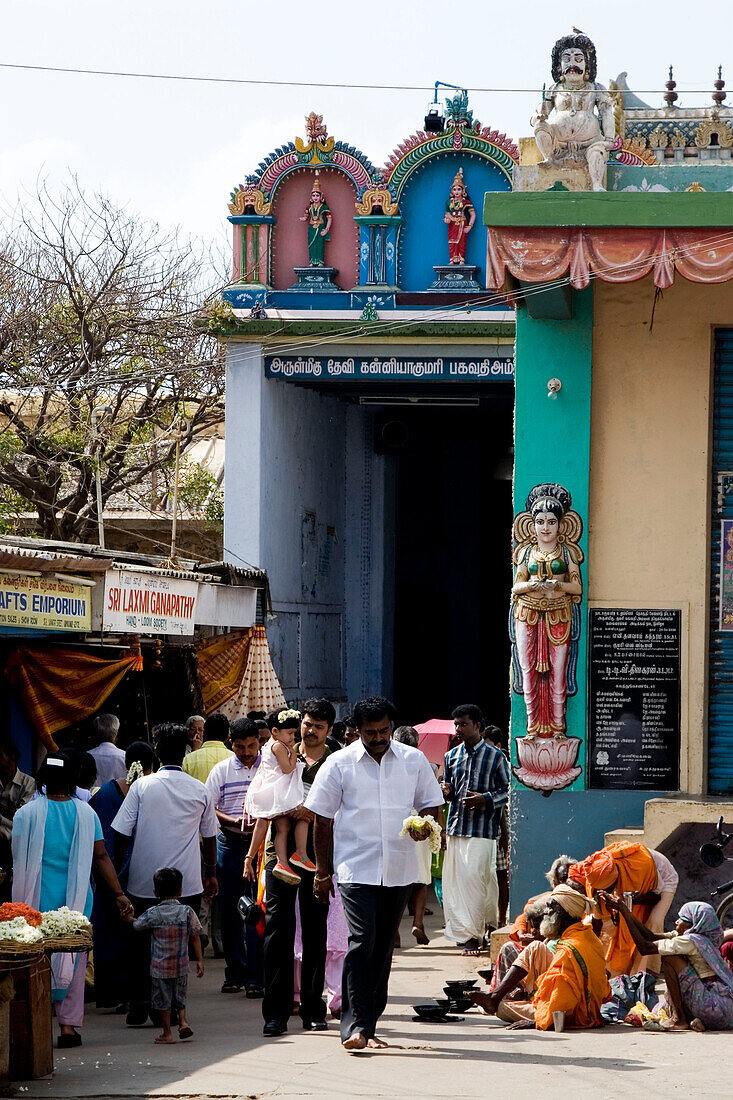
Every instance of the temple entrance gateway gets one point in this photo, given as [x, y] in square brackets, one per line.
[452, 575]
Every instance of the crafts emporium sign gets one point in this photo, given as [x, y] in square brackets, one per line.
[142, 603]
[391, 369]
[44, 603]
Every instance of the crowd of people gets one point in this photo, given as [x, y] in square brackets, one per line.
[282, 841]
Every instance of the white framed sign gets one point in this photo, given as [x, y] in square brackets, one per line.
[147, 603]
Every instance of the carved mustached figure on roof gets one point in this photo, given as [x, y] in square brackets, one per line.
[319, 220]
[459, 217]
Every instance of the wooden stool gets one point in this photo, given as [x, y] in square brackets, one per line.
[31, 1037]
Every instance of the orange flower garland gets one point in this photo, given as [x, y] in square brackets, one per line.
[12, 909]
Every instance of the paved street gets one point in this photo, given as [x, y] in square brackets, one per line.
[474, 1058]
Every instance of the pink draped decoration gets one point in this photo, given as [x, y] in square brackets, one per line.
[541, 255]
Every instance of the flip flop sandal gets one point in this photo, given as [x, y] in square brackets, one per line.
[185, 1032]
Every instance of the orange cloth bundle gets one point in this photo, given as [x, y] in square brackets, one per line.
[628, 868]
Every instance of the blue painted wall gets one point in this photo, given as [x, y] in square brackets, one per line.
[570, 822]
[423, 239]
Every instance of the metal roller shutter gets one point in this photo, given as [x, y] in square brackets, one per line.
[720, 707]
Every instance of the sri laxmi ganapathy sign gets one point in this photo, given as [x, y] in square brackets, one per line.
[144, 603]
[44, 603]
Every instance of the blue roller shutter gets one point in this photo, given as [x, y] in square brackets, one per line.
[720, 688]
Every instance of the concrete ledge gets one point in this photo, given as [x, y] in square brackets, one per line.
[663, 815]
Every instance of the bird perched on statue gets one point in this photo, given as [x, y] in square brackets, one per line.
[576, 30]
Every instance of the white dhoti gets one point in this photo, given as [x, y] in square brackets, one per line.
[470, 887]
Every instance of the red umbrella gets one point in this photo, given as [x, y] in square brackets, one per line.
[434, 737]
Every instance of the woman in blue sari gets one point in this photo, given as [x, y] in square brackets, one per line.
[109, 970]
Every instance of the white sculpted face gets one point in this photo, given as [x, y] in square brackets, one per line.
[574, 66]
[547, 527]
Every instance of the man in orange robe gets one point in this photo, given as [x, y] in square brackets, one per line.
[571, 980]
[622, 868]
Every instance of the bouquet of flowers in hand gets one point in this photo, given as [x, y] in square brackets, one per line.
[422, 828]
[64, 922]
[18, 930]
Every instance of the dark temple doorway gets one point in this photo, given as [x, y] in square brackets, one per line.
[452, 573]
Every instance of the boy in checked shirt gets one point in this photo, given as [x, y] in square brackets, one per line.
[172, 927]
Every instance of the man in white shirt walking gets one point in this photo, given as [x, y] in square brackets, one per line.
[109, 759]
[228, 783]
[166, 812]
[372, 785]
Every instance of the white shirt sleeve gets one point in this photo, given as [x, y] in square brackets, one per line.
[427, 791]
[209, 821]
[324, 797]
[126, 817]
[214, 782]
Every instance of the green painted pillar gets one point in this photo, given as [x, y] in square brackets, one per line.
[552, 443]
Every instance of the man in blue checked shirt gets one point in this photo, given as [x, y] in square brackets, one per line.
[476, 786]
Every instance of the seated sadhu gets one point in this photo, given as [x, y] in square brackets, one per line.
[525, 930]
[699, 983]
[565, 971]
[629, 868]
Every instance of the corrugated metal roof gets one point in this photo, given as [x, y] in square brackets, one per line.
[48, 561]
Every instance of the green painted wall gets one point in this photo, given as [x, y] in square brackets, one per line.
[552, 443]
[658, 209]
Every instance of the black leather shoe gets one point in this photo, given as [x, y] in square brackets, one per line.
[274, 1027]
[315, 1025]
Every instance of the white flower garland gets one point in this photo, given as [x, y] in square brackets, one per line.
[19, 931]
[415, 821]
[135, 772]
[63, 922]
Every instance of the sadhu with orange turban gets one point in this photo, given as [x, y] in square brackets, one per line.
[622, 868]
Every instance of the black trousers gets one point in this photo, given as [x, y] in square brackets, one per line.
[138, 951]
[373, 915]
[279, 945]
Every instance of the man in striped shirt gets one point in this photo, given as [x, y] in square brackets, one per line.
[476, 786]
[228, 783]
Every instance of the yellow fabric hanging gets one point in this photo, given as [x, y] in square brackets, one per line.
[61, 686]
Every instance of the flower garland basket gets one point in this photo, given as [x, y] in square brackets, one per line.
[11, 950]
[73, 941]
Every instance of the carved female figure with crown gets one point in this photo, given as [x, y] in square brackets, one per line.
[459, 217]
[319, 220]
[544, 628]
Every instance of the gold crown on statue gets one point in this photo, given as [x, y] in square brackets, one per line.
[459, 180]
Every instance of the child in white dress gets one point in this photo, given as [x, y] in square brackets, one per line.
[274, 792]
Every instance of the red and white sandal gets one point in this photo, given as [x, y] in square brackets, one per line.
[285, 874]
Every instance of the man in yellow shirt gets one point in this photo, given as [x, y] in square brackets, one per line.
[200, 762]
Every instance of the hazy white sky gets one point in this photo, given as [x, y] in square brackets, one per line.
[173, 150]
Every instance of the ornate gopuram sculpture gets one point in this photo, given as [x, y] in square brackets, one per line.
[574, 124]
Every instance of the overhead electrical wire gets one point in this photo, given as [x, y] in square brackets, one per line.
[350, 86]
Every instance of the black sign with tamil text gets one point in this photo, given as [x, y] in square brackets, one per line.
[634, 672]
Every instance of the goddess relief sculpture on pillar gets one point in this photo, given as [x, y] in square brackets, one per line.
[574, 123]
[544, 625]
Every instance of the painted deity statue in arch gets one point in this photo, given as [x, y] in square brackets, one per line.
[544, 625]
[460, 216]
[319, 220]
[575, 122]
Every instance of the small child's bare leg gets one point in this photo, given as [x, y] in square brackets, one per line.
[282, 831]
[258, 835]
[166, 1035]
[300, 832]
